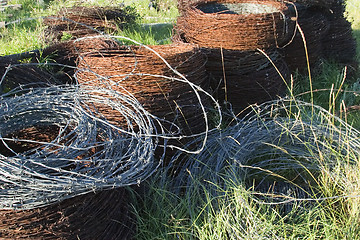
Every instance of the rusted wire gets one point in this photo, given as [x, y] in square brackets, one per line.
[242, 85]
[27, 74]
[314, 26]
[101, 215]
[136, 71]
[80, 21]
[235, 24]
[339, 43]
[64, 55]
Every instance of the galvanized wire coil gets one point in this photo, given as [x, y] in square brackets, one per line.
[55, 144]
[285, 143]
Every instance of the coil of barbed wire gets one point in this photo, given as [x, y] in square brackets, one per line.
[55, 144]
[271, 143]
[235, 24]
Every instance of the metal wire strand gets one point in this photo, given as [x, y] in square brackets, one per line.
[55, 144]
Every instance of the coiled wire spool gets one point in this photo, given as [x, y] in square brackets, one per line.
[243, 85]
[15, 75]
[103, 215]
[80, 21]
[55, 145]
[136, 71]
[339, 43]
[314, 27]
[274, 143]
[235, 24]
[64, 55]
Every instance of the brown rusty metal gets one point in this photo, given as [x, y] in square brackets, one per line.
[235, 24]
[102, 215]
[136, 71]
[82, 21]
[314, 26]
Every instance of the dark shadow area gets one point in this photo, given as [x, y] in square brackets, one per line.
[356, 34]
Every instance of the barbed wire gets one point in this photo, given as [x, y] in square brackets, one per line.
[276, 151]
[83, 152]
[235, 25]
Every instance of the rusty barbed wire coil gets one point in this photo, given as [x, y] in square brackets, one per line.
[312, 29]
[236, 24]
[101, 215]
[80, 21]
[136, 71]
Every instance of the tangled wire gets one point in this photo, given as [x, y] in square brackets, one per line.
[56, 145]
[288, 142]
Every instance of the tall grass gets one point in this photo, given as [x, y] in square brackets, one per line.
[284, 172]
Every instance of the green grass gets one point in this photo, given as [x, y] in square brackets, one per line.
[167, 12]
[220, 199]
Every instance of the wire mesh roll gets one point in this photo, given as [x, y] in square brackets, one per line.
[63, 55]
[339, 43]
[235, 24]
[55, 145]
[137, 71]
[247, 77]
[79, 21]
[314, 26]
[103, 215]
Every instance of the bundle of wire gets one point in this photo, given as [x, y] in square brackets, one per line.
[306, 46]
[285, 143]
[15, 75]
[247, 77]
[339, 43]
[82, 21]
[142, 72]
[54, 144]
[235, 24]
[102, 215]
